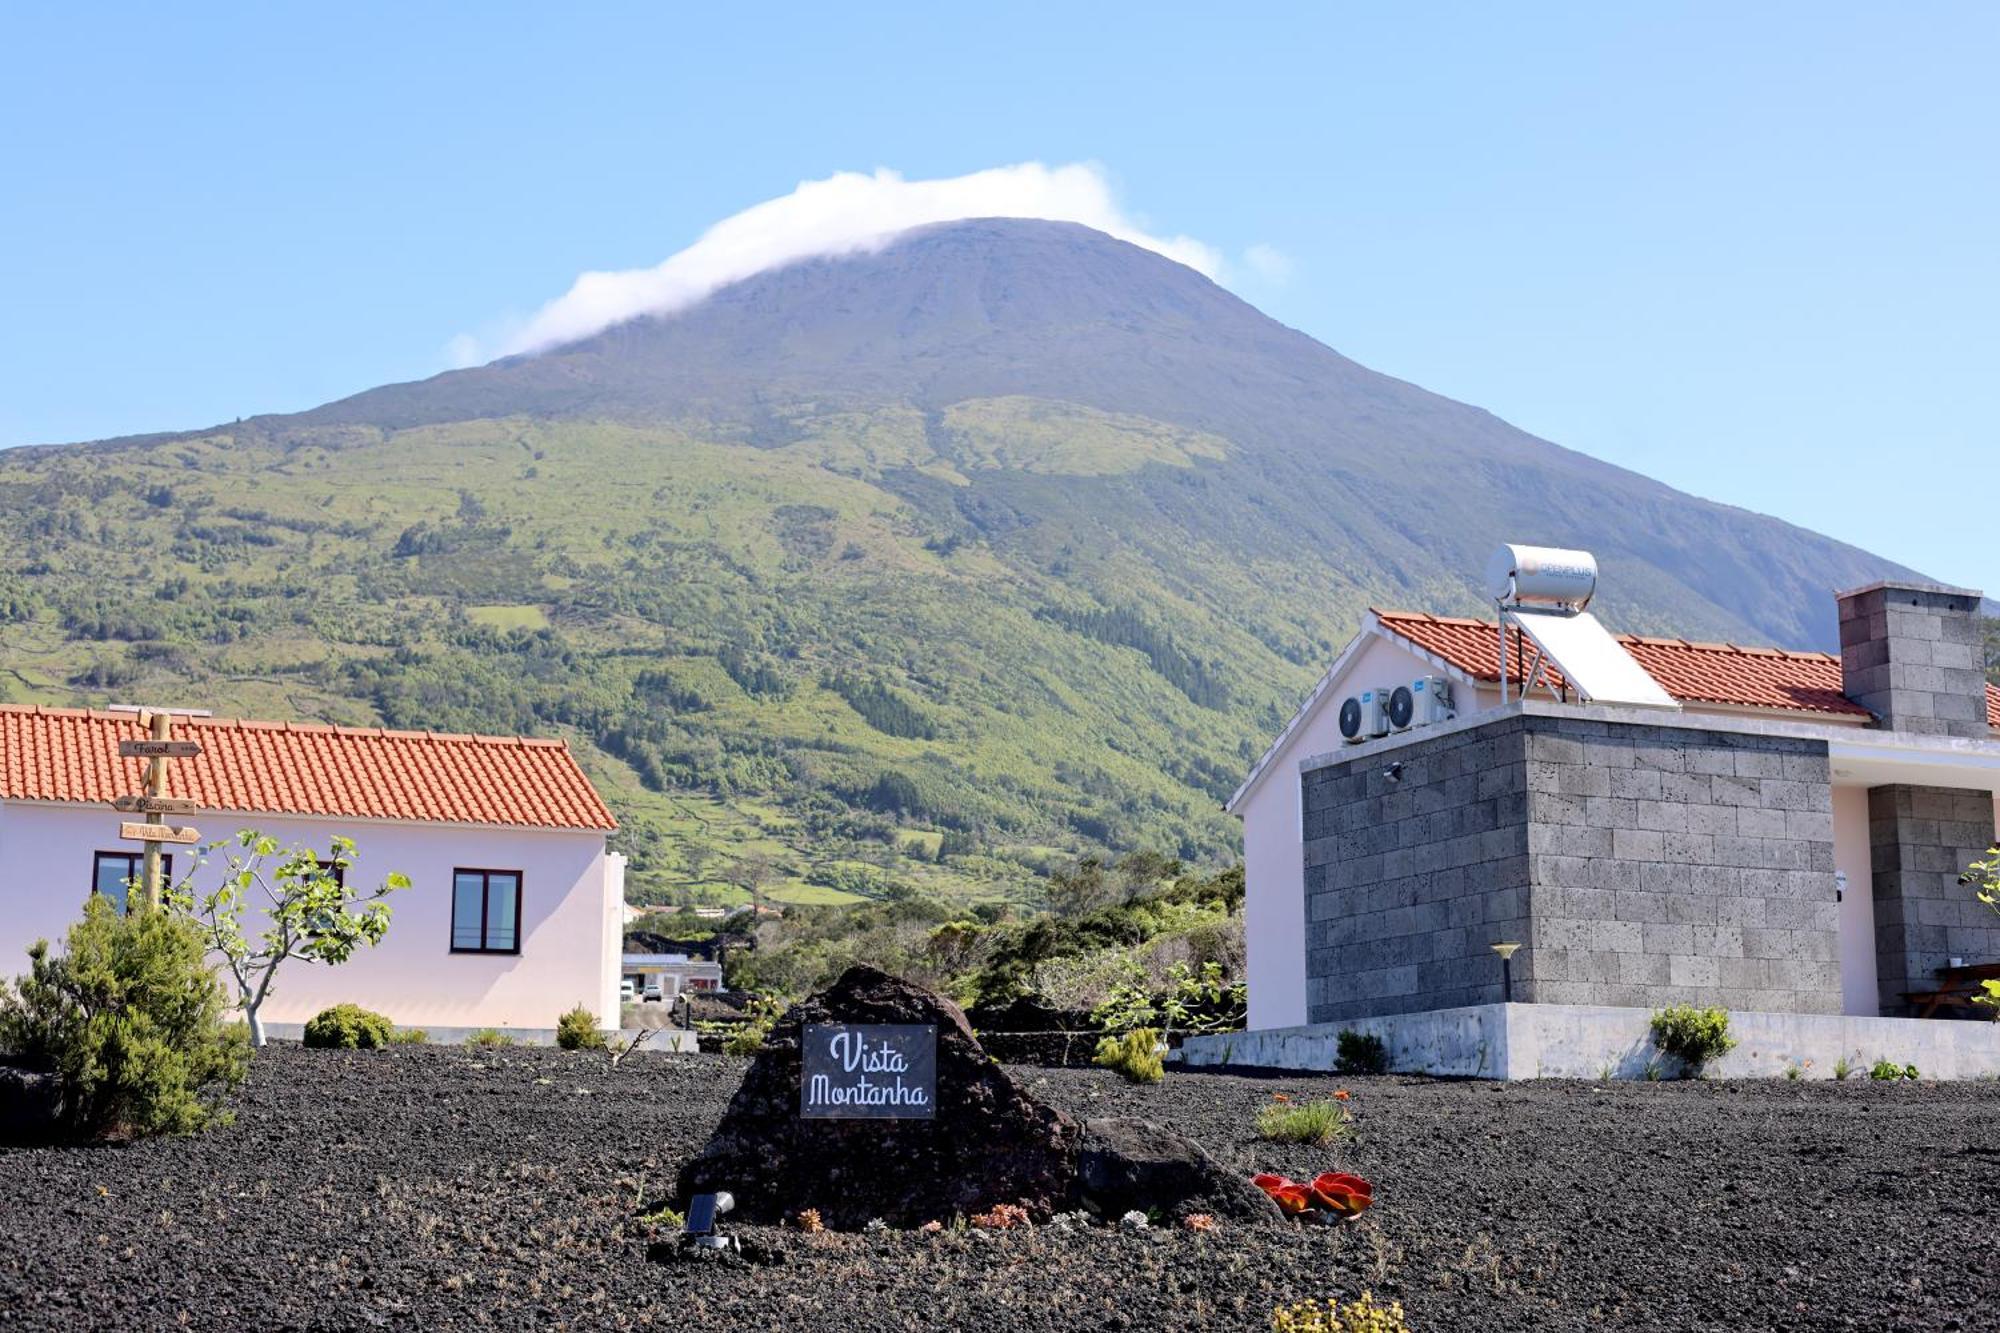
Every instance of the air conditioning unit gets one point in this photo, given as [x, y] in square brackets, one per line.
[1351, 719]
[1401, 707]
[1430, 697]
[1365, 716]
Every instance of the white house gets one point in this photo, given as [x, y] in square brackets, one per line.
[513, 914]
[1772, 831]
[669, 975]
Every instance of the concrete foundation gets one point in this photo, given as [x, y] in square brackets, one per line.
[1522, 1041]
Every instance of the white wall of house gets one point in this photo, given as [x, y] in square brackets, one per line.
[570, 929]
[1860, 990]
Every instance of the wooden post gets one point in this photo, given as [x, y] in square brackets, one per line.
[156, 785]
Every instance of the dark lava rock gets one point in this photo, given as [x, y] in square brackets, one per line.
[988, 1142]
[28, 1105]
[1124, 1163]
[1051, 1050]
[1024, 1014]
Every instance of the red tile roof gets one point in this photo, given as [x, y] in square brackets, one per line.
[1705, 673]
[296, 768]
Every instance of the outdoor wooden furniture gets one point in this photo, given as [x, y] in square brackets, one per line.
[1956, 988]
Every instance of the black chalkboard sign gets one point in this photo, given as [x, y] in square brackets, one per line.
[876, 1071]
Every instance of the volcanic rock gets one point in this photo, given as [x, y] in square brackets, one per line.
[1125, 1164]
[29, 1103]
[988, 1142]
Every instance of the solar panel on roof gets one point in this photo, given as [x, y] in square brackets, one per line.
[1594, 663]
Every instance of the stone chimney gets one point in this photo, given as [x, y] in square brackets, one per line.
[1910, 654]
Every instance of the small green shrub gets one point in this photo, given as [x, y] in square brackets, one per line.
[1888, 1071]
[1692, 1035]
[746, 1040]
[1361, 1053]
[747, 1037]
[1842, 1068]
[348, 1027]
[488, 1038]
[1195, 1000]
[128, 1018]
[1136, 1056]
[577, 1031]
[409, 1037]
[1314, 1123]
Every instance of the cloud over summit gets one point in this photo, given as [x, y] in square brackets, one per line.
[847, 213]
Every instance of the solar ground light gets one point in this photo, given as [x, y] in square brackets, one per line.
[703, 1210]
[1506, 952]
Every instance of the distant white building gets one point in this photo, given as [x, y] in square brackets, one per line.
[514, 909]
[673, 973]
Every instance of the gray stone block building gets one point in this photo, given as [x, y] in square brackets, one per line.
[1786, 839]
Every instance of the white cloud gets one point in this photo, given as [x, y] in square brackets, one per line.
[1269, 263]
[846, 213]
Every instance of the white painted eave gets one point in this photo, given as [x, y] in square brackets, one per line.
[249, 819]
[1877, 759]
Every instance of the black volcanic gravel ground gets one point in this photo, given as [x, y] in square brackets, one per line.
[429, 1188]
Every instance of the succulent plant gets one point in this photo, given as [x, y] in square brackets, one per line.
[1338, 1192]
[1334, 1192]
[1001, 1217]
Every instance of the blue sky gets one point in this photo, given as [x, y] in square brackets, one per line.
[1751, 250]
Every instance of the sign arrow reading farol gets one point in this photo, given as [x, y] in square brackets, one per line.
[158, 749]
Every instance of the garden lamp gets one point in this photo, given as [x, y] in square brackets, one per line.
[1506, 952]
[704, 1210]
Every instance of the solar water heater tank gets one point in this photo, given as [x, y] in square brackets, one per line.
[1541, 576]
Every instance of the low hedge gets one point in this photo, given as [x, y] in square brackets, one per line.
[348, 1027]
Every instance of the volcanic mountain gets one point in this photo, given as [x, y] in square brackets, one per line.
[938, 563]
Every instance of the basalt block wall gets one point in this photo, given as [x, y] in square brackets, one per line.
[1639, 865]
[1920, 840]
[1910, 653]
[1413, 872]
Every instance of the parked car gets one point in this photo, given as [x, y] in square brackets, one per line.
[655, 988]
[628, 990]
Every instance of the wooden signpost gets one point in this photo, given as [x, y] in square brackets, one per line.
[157, 749]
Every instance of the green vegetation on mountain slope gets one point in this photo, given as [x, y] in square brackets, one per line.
[785, 680]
